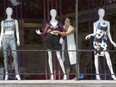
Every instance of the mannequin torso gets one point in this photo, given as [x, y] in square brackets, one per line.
[9, 26]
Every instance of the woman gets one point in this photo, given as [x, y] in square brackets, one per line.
[68, 45]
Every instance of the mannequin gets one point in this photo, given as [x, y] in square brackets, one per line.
[100, 33]
[7, 39]
[69, 45]
[52, 42]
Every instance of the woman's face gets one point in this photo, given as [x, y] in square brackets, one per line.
[67, 22]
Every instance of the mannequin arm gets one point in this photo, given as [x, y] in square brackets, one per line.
[90, 35]
[2, 31]
[17, 32]
[94, 32]
[109, 36]
[44, 33]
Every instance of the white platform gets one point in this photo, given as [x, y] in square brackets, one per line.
[58, 83]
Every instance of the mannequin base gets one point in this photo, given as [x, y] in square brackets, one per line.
[58, 83]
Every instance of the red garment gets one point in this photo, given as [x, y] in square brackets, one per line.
[48, 26]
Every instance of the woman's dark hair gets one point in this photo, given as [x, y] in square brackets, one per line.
[70, 18]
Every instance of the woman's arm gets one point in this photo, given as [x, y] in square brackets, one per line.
[70, 31]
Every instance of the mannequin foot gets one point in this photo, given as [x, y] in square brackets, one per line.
[113, 77]
[18, 77]
[97, 77]
[65, 77]
[52, 77]
[6, 77]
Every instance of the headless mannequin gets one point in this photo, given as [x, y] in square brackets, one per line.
[101, 14]
[9, 33]
[54, 23]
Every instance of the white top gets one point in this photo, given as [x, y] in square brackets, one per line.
[71, 46]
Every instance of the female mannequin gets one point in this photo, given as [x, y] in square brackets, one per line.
[7, 39]
[68, 44]
[52, 41]
[100, 33]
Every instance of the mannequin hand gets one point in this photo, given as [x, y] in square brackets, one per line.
[38, 31]
[88, 36]
[114, 44]
[61, 40]
[18, 43]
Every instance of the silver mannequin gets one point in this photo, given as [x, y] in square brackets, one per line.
[8, 33]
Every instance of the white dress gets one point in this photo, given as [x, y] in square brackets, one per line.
[71, 47]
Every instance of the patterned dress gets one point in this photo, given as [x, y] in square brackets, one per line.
[100, 39]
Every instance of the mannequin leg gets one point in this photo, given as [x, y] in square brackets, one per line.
[16, 65]
[50, 64]
[61, 64]
[15, 61]
[5, 53]
[96, 67]
[108, 60]
[6, 64]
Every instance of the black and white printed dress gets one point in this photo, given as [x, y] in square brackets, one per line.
[100, 39]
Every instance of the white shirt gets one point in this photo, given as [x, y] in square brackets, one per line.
[71, 46]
